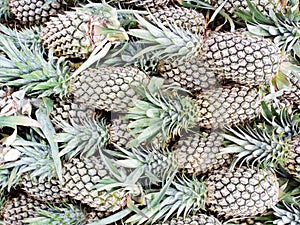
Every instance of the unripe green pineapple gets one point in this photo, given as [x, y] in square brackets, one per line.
[198, 219]
[241, 58]
[75, 34]
[35, 12]
[228, 106]
[193, 74]
[109, 88]
[200, 153]
[79, 179]
[184, 18]
[47, 191]
[20, 208]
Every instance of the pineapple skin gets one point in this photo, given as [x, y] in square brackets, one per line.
[263, 5]
[47, 191]
[34, 12]
[20, 208]
[199, 219]
[228, 106]
[194, 74]
[240, 58]
[184, 18]
[292, 163]
[66, 109]
[79, 178]
[109, 88]
[145, 3]
[199, 154]
[242, 192]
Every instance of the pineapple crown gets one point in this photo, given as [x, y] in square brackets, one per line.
[157, 164]
[63, 214]
[28, 36]
[26, 68]
[82, 139]
[34, 158]
[165, 43]
[4, 9]
[283, 25]
[161, 110]
[178, 196]
[288, 214]
[266, 142]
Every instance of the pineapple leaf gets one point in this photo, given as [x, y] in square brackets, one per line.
[43, 116]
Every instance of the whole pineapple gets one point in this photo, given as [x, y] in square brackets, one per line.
[228, 106]
[241, 192]
[75, 34]
[107, 88]
[199, 153]
[241, 58]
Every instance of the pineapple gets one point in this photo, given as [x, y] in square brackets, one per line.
[193, 74]
[292, 95]
[272, 142]
[79, 179]
[20, 208]
[53, 78]
[109, 88]
[198, 219]
[35, 12]
[241, 192]
[243, 59]
[280, 25]
[75, 34]
[63, 214]
[68, 109]
[200, 153]
[228, 106]
[145, 3]
[187, 19]
[288, 214]
[47, 191]
[156, 164]
[162, 111]
[231, 5]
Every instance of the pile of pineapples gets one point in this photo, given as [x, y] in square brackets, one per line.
[149, 112]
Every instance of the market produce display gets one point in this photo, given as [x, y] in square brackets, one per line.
[158, 112]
